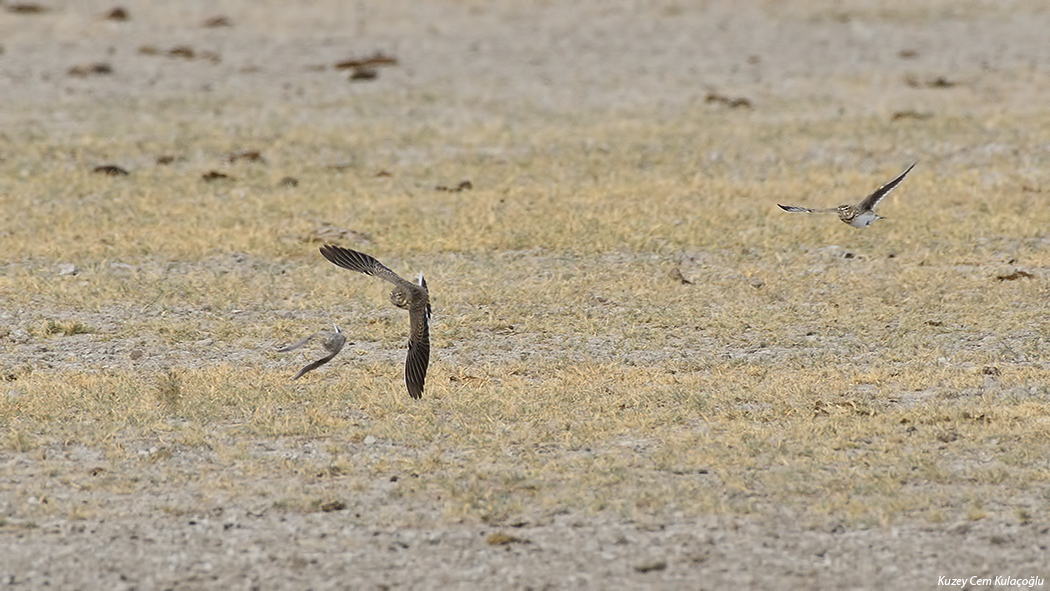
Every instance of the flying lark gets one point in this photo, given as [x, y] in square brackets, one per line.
[861, 214]
[332, 341]
[405, 295]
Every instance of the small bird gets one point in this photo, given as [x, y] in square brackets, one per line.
[404, 295]
[332, 341]
[861, 214]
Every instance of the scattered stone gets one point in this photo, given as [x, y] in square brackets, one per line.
[1019, 274]
[246, 155]
[117, 13]
[334, 505]
[95, 69]
[27, 8]
[214, 175]
[182, 51]
[910, 114]
[648, 567]
[216, 22]
[502, 539]
[1015, 276]
[376, 59]
[938, 82]
[364, 73]
[731, 102]
[110, 169]
[465, 185]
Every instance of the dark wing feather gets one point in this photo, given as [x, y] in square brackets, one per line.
[872, 200]
[312, 366]
[418, 358]
[419, 345]
[795, 209]
[360, 262]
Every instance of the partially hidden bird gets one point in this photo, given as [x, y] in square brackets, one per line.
[860, 215]
[331, 340]
[405, 295]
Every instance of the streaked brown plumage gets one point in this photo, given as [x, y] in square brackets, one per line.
[862, 214]
[405, 295]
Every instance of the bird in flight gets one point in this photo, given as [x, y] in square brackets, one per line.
[404, 295]
[861, 214]
[331, 341]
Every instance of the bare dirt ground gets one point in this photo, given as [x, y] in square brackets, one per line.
[671, 392]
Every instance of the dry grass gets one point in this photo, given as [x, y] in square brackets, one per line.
[625, 323]
[573, 370]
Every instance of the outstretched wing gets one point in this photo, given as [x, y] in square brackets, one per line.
[299, 344]
[312, 366]
[333, 343]
[418, 358]
[360, 262]
[872, 200]
[795, 209]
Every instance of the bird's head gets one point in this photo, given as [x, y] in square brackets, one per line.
[398, 297]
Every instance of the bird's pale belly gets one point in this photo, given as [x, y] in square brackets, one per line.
[864, 219]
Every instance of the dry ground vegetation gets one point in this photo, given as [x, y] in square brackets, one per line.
[644, 373]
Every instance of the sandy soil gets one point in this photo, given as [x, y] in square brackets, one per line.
[464, 63]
